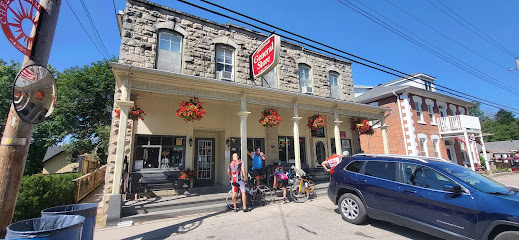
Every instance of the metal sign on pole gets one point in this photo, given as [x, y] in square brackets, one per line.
[34, 86]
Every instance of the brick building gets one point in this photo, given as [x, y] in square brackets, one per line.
[422, 122]
[168, 56]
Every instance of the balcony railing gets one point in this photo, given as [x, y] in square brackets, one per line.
[458, 123]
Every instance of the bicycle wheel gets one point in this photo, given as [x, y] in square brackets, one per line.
[267, 195]
[299, 193]
[228, 200]
[311, 188]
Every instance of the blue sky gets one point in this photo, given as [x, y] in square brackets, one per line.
[335, 24]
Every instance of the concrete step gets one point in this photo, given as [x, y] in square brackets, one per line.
[172, 213]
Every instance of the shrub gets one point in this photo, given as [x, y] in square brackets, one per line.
[39, 192]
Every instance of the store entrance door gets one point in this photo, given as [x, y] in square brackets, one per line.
[204, 161]
[320, 152]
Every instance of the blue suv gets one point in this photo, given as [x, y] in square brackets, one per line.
[427, 194]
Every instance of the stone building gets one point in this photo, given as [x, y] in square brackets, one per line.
[423, 122]
[168, 56]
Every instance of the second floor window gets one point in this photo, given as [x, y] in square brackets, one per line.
[436, 148]
[453, 111]
[430, 109]
[334, 84]
[419, 114]
[423, 149]
[224, 62]
[170, 51]
[304, 76]
[443, 112]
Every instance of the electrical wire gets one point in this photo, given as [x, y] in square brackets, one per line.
[93, 26]
[450, 60]
[115, 9]
[86, 32]
[483, 101]
[478, 32]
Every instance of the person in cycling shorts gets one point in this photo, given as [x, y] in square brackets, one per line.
[281, 180]
[236, 173]
[257, 158]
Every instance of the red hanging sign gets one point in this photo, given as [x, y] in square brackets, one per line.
[266, 57]
[13, 13]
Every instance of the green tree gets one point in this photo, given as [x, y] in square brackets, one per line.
[504, 117]
[8, 73]
[475, 110]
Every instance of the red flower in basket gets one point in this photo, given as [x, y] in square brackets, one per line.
[270, 118]
[39, 95]
[316, 121]
[361, 126]
[187, 174]
[191, 110]
[135, 113]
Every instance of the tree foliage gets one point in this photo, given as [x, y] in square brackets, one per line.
[82, 117]
[502, 126]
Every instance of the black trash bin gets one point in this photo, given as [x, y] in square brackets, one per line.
[47, 228]
[87, 210]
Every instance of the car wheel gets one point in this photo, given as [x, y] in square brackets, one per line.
[507, 235]
[352, 209]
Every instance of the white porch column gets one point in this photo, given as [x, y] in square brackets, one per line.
[487, 163]
[337, 134]
[385, 140]
[469, 151]
[297, 147]
[121, 139]
[243, 131]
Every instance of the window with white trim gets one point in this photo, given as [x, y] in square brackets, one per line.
[461, 110]
[427, 85]
[443, 110]
[423, 146]
[436, 145]
[419, 114]
[305, 79]
[224, 62]
[334, 84]
[430, 109]
[169, 54]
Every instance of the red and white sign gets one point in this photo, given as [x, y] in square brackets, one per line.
[266, 57]
[12, 14]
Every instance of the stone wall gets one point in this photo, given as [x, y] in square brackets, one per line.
[139, 48]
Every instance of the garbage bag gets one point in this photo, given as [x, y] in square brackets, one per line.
[87, 210]
[47, 228]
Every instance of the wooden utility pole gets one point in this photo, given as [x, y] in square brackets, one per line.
[12, 157]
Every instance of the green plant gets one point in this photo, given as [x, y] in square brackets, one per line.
[39, 192]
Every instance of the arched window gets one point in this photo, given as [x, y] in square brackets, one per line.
[305, 79]
[169, 55]
[224, 62]
[333, 77]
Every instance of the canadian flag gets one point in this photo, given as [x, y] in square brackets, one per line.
[28, 74]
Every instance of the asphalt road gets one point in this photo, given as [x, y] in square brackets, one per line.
[316, 219]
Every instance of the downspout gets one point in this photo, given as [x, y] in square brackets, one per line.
[401, 122]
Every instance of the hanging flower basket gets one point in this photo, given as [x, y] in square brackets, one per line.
[187, 174]
[361, 126]
[270, 118]
[39, 95]
[316, 121]
[135, 113]
[191, 110]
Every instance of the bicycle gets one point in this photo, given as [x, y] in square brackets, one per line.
[261, 194]
[301, 189]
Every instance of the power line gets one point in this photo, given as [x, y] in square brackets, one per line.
[478, 32]
[483, 101]
[92, 24]
[115, 9]
[88, 35]
[454, 62]
[444, 35]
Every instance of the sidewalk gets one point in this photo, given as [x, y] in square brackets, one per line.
[97, 197]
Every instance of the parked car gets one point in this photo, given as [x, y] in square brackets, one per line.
[426, 194]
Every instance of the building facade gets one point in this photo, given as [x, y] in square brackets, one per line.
[423, 122]
[168, 57]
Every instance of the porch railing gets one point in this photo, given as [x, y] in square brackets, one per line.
[458, 123]
[87, 183]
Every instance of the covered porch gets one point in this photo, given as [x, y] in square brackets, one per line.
[230, 125]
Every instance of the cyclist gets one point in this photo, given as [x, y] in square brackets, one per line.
[257, 168]
[236, 172]
[281, 180]
[330, 163]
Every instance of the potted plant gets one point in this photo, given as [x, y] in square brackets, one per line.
[191, 110]
[187, 175]
[361, 126]
[270, 118]
[135, 113]
[316, 121]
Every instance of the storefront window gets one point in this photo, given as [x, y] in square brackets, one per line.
[345, 146]
[252, 143]
[159, 152]
[317, 132]
[286, 149]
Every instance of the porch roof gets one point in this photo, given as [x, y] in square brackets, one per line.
[154, 80]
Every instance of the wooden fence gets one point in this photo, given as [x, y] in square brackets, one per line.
[87, 183]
